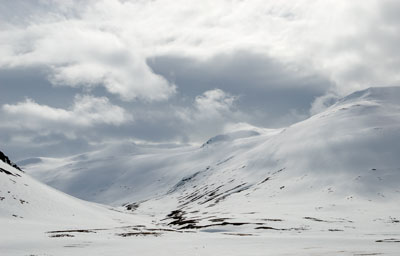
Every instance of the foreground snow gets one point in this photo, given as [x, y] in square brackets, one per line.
[326, 186]
[31, 239]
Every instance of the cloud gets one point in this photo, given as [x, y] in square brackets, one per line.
[86, 112]
[80, 54]
[213, 103]
[32, 129]
[323, 102]
[184, 70]
[208, 115]
[364, 53]
[272, 93]
[107, 42]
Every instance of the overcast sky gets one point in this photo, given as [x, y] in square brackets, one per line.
[78, 74]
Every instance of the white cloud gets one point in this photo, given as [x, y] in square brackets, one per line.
[208, 115]
[107, 42]
[213, 103]
[86, 111]
[322, 103]
[81, 55]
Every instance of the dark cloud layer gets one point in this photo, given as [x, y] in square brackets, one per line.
[262, 83]
[16, 84]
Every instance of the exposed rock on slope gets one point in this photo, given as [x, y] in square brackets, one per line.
[6, 160]
[332, 179]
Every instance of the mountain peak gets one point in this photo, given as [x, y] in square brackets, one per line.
[7, 160]
[389, 94]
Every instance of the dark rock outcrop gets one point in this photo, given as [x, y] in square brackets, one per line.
[6, 160]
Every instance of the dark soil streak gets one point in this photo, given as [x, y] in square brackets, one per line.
[72, 231]
[139, 234]
[9, 173]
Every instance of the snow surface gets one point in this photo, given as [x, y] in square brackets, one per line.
[329, 185]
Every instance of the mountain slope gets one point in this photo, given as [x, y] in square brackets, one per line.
[356, 135]
[340, 168]
[32, 211]
[328, 185]
[36, 219]
[326, 169]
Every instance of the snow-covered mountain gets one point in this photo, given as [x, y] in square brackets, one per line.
[22, 197]
[32, 215]
[355, 138]
[333, 178]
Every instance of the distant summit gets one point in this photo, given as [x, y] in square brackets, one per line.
[231, 136]
[386, 94]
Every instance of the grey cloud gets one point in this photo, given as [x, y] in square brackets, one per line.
[186, 119]
[390, 12]
[369, 55]
[264, 85]
[78, 52]
[253, 88]
[295, 56]
[23, 13]
[86, 111]
[25, 144]
[16, 84]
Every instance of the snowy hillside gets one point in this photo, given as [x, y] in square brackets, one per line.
[32, 215]
[23, 197]
[338, 171]
[329, 184]
[354, 139]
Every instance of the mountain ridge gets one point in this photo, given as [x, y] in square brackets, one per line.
[7, 160]
[358, 119]
[332, 179]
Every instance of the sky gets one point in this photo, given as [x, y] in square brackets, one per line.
[78, 75]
